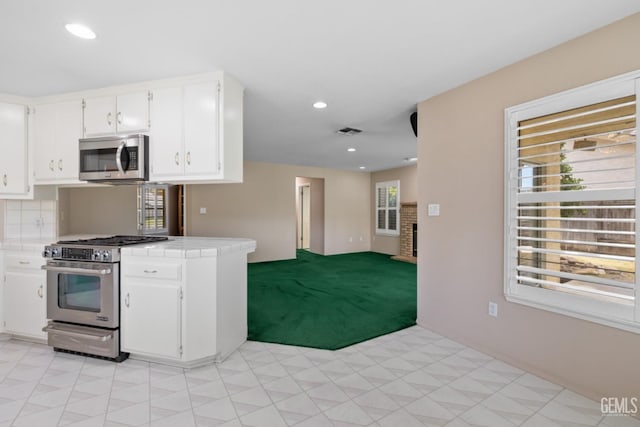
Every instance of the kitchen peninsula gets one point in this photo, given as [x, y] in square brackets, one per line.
[184, 301]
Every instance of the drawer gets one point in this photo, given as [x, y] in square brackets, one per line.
[23, 262]
[153, 271]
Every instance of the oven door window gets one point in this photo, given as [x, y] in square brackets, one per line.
[79, 292]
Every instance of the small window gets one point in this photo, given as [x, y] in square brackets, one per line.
[388, 208]
[570, 201]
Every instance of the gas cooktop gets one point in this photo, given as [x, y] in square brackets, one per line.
[114, 240]
[99, 249]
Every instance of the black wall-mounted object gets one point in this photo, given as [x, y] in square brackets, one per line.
[414, 122]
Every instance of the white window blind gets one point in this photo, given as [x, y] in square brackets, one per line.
[571, 203]
[388, 208]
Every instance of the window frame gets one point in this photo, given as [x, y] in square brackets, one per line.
[386, 231]
[618, 315]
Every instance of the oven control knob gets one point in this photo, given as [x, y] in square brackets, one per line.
[54, 252]
[106, 256]
[97, 255]
[47, 252]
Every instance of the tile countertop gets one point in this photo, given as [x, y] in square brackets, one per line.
[191, 247]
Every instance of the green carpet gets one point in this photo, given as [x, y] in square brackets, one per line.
[330, 302]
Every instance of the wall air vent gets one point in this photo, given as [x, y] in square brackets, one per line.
[349, 131]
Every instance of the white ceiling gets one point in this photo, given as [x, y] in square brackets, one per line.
[371, 61]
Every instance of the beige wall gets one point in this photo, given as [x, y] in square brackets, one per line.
[263, 208]
[408, 177]
[460, 265]
[97, 210]
[2, 220]
[316, 232]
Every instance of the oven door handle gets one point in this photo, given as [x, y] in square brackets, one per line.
[102, 272]
[55, 330]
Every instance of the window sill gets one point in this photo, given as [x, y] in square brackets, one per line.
[388, 233]
[614, 315]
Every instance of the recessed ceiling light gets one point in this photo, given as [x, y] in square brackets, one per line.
[81, 31]
[319, 105]
[351, 150]
[362, 167]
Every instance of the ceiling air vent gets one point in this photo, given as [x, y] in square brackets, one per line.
[349, 131]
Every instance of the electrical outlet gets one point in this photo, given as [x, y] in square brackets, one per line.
[203, 211]
[350, 239]
[493, 309]
[433, 209]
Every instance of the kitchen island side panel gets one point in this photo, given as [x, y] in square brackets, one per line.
[200, 312]
[231, 303]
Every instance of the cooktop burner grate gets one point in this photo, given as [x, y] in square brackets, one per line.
[114, 240]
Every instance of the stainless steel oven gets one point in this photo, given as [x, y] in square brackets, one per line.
[83, 294]
[86, 293]
[114, 159]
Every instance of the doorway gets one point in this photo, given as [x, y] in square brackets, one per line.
[304, 220]
[310, 214]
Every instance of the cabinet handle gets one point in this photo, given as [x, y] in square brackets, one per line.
[151, 271]
[60, 165]
[177, 158]
[119, 117]
[40, 293]
[188, 157]
[4, 179]
[126, 300]
[24, 262]
[109, 118]
[51, 165]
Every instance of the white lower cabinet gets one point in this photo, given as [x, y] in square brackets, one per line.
[185, 311]
[151, 317]
[24, 295]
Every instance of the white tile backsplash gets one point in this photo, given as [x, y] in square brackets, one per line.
[48, 205]
[31, 205]
[13, 217]
[30, 219]
[14, 205]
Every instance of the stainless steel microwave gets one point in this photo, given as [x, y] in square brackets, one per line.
[115, 159]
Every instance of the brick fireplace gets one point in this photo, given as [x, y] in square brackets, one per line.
[408, 232]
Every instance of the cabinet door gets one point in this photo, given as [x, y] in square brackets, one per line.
[68, 132]
[45, 150]
[25, 310]
[133, 112]
[100, 116]
[201, 122]
[151, 318]
[166, 151]
[58, 127]
[13, 161]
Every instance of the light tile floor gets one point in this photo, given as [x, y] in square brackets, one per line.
[409, 378]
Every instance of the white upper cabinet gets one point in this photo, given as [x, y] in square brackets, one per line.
[194, 125]
[108, 115]
[201, 128]
[196, 135]
[14, 160]
[58, 127]
[166, 149]
[133, 112]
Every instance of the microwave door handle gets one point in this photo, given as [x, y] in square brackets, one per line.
[119, 156]
[72, 270]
